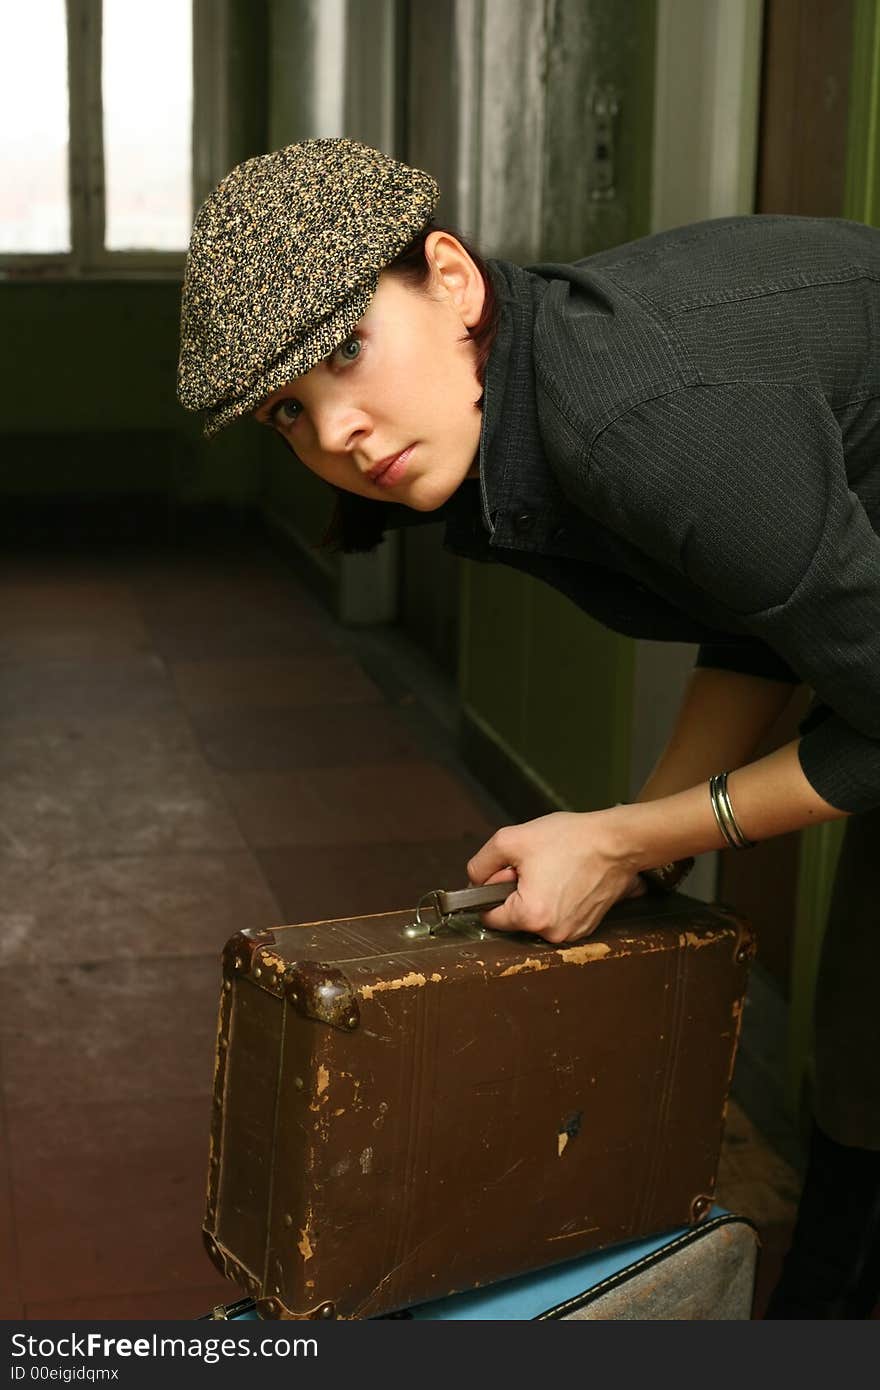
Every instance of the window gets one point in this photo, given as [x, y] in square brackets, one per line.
[97, 132]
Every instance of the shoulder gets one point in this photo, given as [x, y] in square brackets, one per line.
[598, 350]
[726, 479]
[733, 255]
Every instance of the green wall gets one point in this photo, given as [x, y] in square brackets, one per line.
[88, 405]
[544, 689]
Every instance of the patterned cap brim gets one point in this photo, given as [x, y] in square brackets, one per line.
[295, 360]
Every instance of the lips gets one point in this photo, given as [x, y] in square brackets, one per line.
[389, 471]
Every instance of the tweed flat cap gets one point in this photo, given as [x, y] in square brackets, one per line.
[284, 258]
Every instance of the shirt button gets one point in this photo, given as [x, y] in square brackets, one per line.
[523, 521]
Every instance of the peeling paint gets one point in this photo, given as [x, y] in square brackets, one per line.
[380, 1118]
[270, 961]
[563, 1140]
[323, 1078]
[436, 979]
[341, 1167]
[367, 1160]
[304, 1245]
[531, 963]
[691, 938]
[591, 950]
[405, 982]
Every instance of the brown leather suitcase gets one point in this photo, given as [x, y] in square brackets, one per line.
[401, 1115]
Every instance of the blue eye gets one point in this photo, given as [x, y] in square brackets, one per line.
[350, 349]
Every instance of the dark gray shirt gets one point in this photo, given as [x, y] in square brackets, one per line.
[683, 435]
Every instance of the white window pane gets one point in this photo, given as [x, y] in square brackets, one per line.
[147, 99]
[34, 203]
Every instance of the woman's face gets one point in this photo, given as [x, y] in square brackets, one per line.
[393, 413]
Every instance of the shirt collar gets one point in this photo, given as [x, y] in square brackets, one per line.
[513, 467]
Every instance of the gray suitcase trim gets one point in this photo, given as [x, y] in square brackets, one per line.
[708, 1274]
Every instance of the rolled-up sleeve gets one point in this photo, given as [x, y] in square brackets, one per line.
[742, 489]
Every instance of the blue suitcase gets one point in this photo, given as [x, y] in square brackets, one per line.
[698, 1273]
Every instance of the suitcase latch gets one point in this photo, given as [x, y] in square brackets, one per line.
[456, 911]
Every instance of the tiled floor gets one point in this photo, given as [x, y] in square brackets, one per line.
[188, 746]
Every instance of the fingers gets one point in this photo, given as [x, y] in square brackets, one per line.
[495, 855]
[505, 917]
[523, 913]
[506, 875]
[510, 918]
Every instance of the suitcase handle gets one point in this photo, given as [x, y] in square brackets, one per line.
[446, 904]
[471, 899]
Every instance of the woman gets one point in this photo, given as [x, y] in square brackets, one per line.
[682, 435]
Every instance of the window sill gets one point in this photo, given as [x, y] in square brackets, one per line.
[32, 275]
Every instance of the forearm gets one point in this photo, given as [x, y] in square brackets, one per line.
[721, 720]
[769, 797]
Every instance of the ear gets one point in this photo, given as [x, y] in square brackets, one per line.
[454, 272]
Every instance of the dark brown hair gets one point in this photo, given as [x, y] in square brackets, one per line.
[358, 523]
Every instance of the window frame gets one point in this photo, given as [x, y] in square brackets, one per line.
[88, 257]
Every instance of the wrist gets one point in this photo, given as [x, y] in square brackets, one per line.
[664, 877]
[670, 829]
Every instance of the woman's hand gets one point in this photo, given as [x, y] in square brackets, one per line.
[571, 868]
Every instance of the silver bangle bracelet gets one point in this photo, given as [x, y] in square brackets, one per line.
[723, 811]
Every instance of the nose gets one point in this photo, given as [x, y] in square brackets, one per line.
[341, 427]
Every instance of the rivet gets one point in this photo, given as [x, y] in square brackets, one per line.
[298, 1082]
[742, 955]
[239, 963]
[326, 1310]
[352, 1021]
[288, 1221]
[227, 985]
[258, 972]
[271, 1306]
[294, 997]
